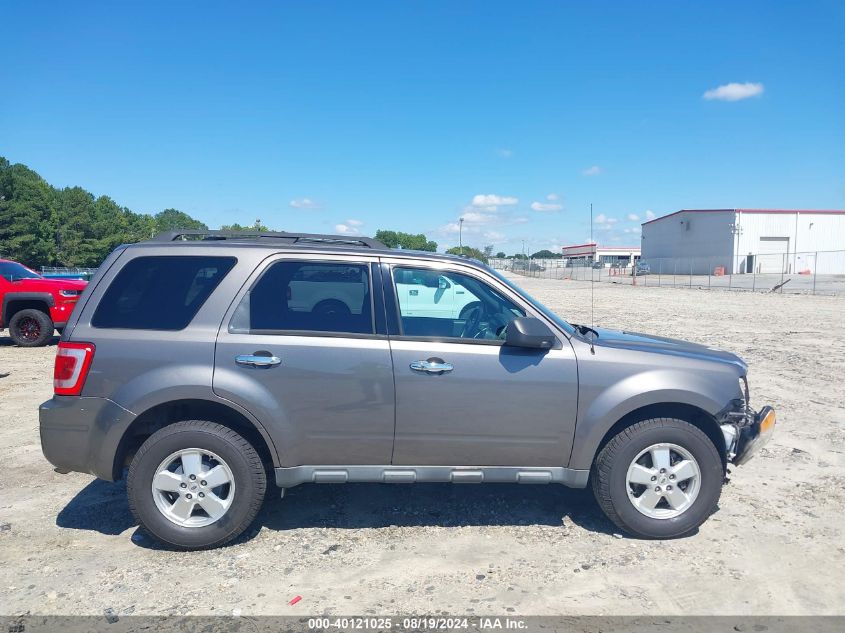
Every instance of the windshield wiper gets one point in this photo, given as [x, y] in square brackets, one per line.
[583, 329]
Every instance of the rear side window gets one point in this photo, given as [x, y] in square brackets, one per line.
[160, 293]
[332, 297]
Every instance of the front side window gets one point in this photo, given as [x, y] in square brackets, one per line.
[160, 293]
[444, 304]
[13, 271]
[332, 297]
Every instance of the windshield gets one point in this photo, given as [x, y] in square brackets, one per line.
[11, 271]
[566, 326]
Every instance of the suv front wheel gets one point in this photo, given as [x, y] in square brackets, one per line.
[659, 478]
[196, 485]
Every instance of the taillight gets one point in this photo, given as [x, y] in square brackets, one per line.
[73, 360]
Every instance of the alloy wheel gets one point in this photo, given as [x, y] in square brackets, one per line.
[663, 481]
[193, 487]
[29, 329]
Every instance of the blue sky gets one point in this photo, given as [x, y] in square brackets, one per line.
[353, 116]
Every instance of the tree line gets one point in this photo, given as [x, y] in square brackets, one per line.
[41, 225]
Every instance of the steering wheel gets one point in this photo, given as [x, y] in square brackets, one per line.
[471, 328]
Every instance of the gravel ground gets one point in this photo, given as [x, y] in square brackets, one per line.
[68, 544]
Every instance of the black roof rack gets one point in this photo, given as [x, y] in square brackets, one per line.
[293, 238]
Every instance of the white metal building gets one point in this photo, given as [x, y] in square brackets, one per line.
[735, 241]
[607, 255]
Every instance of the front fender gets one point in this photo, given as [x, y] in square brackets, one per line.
[603, 403]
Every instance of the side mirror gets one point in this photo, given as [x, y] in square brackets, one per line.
[443, 283]
[529, 332]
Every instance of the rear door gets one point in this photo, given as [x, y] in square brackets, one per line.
[491, 405]
[304, 348]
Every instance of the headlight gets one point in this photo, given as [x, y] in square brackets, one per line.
[69, 293]
[743, 388]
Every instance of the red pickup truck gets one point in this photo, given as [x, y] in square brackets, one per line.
[32, 306]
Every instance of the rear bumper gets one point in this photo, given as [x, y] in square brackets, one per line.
[754, 436]
[82, 434]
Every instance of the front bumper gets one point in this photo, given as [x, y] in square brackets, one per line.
[749, 435]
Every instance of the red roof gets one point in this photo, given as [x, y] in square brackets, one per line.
[603, 248]
[577, 245]
[772, 211]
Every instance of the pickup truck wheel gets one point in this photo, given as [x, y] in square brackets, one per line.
[31, 328]
[331, 307]
[467, 309]
[660, 478]
[196, 485]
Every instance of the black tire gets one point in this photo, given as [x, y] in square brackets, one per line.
[250, 480]
[332, 307]
[472, 305]
[611, 488]
[31, 328]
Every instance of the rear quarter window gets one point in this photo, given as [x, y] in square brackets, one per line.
[161, 292]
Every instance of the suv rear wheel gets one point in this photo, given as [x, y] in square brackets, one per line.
[196, 484]
[31, 328]
[660, 478]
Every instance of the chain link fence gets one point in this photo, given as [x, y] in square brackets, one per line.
[63, 272]
[817, 272]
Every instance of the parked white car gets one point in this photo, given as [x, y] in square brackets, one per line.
[323, 290]
[424, 294]
[420, 293]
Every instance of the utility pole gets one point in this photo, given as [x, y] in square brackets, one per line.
[461, 235]
[736, 231]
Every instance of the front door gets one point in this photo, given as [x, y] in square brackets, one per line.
[465, 399]
[302, 351]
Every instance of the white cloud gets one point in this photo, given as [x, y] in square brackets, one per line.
[478, 217]
[482, 220]
[553, 197]
[734, 92]
[595, 170]
[649, 214]
[633, 217]
[603, 220]
[350, 227]
[546, 207]
[491, 200]
[503, 152]
[633, 229]
[304, 203]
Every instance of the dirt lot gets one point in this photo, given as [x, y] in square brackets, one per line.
[68, 544]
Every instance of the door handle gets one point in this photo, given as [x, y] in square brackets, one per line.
[255, 360]
[432, 366]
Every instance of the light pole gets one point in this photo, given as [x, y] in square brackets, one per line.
[461, 235]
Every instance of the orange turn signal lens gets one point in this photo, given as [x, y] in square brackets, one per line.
[768, 423]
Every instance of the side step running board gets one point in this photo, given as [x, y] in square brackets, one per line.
[293, 476]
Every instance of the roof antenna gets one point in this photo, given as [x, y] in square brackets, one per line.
[592, 285]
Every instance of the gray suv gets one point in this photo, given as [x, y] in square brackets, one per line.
[206, 362]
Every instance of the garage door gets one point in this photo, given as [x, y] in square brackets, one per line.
[772, 255]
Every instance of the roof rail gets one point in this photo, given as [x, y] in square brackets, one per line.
[293, 238]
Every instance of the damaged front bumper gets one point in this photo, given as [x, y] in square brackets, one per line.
[746, 432]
